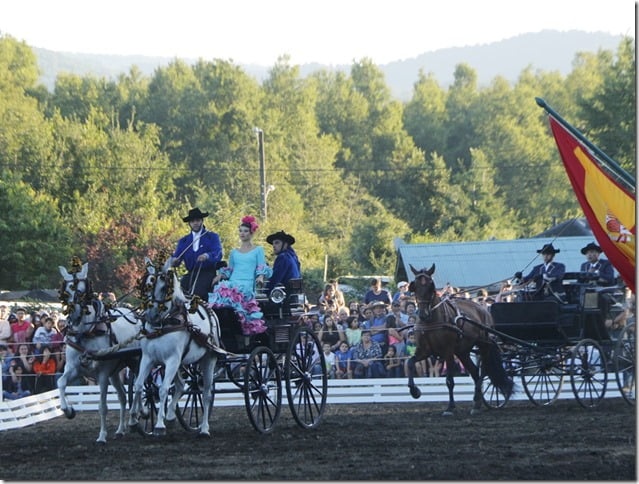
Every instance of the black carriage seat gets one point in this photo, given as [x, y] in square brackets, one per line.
[533, 321]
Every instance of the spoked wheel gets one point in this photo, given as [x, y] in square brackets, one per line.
[306, 378]
[263, 389]
[625, 364]
[588, 374]
[542, 376]
[150, 401]
[190, 408]
[491, 396]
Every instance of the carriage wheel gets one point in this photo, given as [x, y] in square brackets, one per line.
[588, 374]
[190, 408]
[263, 389]
[150, 401]
[542, 376]
[490, 395]
[625, 364]
[306, 378]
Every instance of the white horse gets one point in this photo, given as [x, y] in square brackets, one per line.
[92, 329]
[178, 332]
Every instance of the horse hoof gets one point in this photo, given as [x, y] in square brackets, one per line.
[203, 435]
[415, 392]
[119, 435]
[159, 432]
[69, 412]
[101, 443]
[170, 423]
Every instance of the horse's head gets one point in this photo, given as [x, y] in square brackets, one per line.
[76, 293]
[160, 290]
[423, 287]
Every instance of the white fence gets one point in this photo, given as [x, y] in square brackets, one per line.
[36, 408]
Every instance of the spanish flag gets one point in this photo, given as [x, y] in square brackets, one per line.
[607, 204]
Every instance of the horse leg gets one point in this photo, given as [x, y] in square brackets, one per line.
[207, 365]
[450, 383]
[145, 368]
[119, 388]
[70, 372]
[410, 370]
[170, 370]
[103, 382]
[472, 369]
[178, 390]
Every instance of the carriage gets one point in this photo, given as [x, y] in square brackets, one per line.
[258, 366]
[546, 342]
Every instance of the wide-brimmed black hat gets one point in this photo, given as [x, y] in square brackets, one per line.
[195, 213]
[281, 235]
[548, 249]
[591, 246]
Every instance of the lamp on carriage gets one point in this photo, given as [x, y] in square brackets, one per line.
[263, 189]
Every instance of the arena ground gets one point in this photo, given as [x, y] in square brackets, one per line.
[353, 442]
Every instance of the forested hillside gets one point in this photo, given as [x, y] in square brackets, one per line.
[106, 169]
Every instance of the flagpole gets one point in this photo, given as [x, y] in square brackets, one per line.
[610, 163]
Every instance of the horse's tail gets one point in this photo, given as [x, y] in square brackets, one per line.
[492, 365]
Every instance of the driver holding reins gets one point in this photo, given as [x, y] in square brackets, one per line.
[547, 276]
[200, 250]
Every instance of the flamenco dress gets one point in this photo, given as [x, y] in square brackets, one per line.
[238, 290]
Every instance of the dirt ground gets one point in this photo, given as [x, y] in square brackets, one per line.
[353, 442]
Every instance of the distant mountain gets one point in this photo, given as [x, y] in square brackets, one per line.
[548, 50]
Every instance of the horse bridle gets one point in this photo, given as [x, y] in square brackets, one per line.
[148, 289]
[425, 307]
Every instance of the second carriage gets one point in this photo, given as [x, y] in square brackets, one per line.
[545, 343]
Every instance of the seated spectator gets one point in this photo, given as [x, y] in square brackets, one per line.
[43, 335]
[392, 363]
[409, 351]
[60, 360]
[353, 308]
[353, 333]
[410, 308]
[367, 358]
[434, 365]
[377, 325]
[331, 334]
[5, 326]
[330, 359]
[58, 337]
[395, 338]
[21, 329]
[400, 317]
[15, 385]
[342, 318]
[343, 359]
[5, 358]
[339, 295]
[44, 368]
[365, 313]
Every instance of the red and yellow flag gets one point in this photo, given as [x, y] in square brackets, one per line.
[609, 207]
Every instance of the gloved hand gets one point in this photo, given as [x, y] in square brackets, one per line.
[518, 275]
[547, 278]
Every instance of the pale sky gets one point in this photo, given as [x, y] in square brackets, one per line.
[324, 31]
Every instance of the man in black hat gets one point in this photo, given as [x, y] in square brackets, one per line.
[596, 269]
[286, 265]
[547, 276]
[200, 250]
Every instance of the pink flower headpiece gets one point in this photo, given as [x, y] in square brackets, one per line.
[249, 221]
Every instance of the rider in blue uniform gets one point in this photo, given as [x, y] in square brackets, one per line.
[200, 251]
[599, 270]
[287, 265]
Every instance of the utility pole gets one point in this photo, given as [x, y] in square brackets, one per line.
[263, 192]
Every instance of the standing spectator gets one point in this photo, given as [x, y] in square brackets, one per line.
[5, 326]
[339, 295]
[392, 363]
[376, 293]
[44, 368]
[15, 385]
[353, 308]
[367, 358]
[402, 293]
[343, 359]
[43, 336]
[331, 334]
[353, 333]
[330, 360]
[21, 329]
[328, 299]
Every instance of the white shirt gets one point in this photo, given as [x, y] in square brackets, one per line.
[196, 240]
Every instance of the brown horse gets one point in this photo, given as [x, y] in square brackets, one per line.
[449, 327]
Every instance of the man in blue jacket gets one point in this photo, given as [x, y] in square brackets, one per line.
[200, 251]
[599, 270]
[548, 276]
[286, 265]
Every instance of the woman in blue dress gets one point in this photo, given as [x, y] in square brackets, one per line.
[246, 266]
